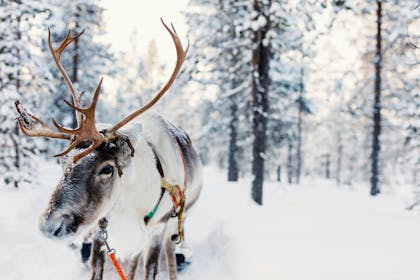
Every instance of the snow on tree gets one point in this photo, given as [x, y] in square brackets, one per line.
[220, 65]
[23, 76]
[28, 72]
[293, 53]
[343, 126]
[233, 56]
[395, 83]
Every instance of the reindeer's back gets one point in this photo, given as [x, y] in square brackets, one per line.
[173, 145]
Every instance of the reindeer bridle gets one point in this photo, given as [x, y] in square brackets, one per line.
[86, 131]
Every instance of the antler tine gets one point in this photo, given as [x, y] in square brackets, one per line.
[96, 96]
[91, 148]
[91, 109]
[69, 148]
[79, 98]
[63, 129]
[32, 126]
[56, 53]
[181, 53]
[87, 130]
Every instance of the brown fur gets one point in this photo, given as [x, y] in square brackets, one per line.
[151, 262]
[97, 259]
[170, 258]
[132, 267]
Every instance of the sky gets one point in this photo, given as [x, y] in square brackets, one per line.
[123, 17]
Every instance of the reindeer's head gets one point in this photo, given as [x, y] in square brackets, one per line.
[90, 183]
[88, 189]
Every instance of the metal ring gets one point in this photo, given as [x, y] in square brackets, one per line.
[103, 235]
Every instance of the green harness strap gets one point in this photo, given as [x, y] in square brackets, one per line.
[150, 215]
[177, 195]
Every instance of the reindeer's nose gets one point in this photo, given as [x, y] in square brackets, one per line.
[51, 226]
[55, 226]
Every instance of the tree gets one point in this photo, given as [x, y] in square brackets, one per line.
[23, 75]
[220, 62]
[234, 61]
[394, 86]
[260, 85]
[376, 146]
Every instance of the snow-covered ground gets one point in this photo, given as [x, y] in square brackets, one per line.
[313, 231]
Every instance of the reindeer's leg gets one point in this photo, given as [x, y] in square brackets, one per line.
[97, 259]
[170, 258]
[151, 262]
[151, 254]
[132, 267]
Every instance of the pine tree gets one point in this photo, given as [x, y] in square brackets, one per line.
[23, 76]
[376, 146]
[222, 62]
[261, 56]
[394, 84]
[350, 95]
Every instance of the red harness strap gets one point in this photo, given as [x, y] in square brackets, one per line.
[184, 164]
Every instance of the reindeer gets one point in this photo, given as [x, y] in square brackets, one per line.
[137, 179]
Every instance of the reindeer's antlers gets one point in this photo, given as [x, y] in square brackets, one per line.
[31, 125]
[56, 53]
[181, 53]
[86, 127]
[86, 131]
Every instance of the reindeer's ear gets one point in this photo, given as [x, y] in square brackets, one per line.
[124, 150]
[64, 160]
[62, 163]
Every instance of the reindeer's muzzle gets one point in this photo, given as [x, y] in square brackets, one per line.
[58, 226]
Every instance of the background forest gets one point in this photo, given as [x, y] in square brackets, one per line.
[306, 115]
[273, 89]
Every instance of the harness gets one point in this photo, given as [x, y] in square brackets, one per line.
[177, 195]
[178, 199]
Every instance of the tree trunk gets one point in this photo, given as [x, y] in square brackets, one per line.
[327, 166]
[289, 161]
[339, 161]
[260, 84]
[279, 173]
[19, 39]
[75, 66]
[233, 57]
[299, 136]
[233, 147]
[16, 144]
[376, 147]
[15, 135]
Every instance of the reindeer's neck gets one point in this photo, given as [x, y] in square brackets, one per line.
[140, 184]
[140, 180]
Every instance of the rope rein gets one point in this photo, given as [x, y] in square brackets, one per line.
[103, 236]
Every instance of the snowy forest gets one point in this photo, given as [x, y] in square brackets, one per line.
[305, 114]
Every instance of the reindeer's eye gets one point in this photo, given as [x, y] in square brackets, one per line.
[107, 170]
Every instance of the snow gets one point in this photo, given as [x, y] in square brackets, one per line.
[312, 231]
